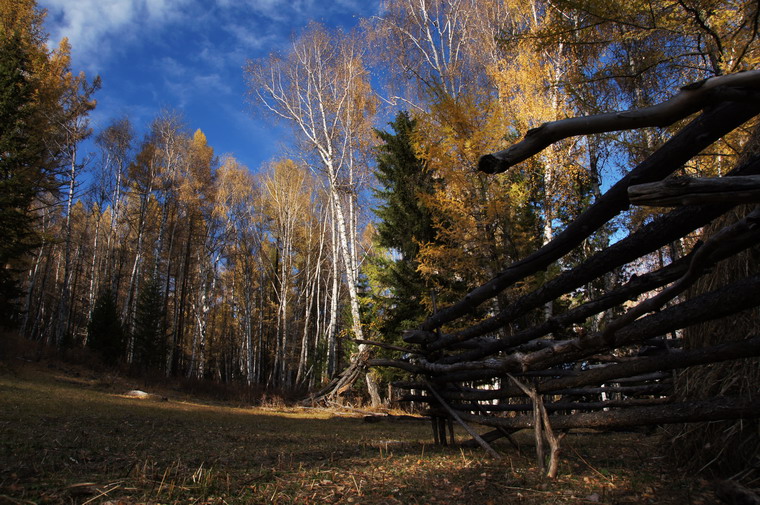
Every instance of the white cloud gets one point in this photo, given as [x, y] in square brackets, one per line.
[98, 29]
[95, 28]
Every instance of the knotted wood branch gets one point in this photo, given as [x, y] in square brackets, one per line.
[678, 191]
[691, 99]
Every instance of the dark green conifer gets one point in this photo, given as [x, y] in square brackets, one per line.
[148, 335]
[105, 333]
[405, 223]
[21, 154]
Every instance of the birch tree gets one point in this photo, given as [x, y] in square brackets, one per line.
[482, 222]
[115, 144]
[73, 126]
[425, 41]
[198, 196]
[237, 206]
[322, 89]
[286, 202]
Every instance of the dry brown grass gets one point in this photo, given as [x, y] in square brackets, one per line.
[68, 437]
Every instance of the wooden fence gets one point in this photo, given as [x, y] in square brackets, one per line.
[554, 376]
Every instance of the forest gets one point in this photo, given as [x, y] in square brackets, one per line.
[168, 260]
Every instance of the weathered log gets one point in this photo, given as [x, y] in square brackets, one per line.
[738, 296]
[646, 389]
[700, 262]
[688, 142]
[394, 363]
[659, 389]
[408, 385]
[678, 359]
[632, 289]
[556, 374]
[690, 100]
[388, 346]
[576, 406]
[643, 378]
[418, 336]
[651, 237]
[492, 436]
[633, 379]
[552, 372]
[714, 409]
[550, 406]
[682, 190]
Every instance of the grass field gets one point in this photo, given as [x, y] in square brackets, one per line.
[69, 437]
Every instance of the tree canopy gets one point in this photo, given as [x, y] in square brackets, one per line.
[373, 217]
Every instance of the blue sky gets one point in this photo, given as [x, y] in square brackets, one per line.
[187, 56]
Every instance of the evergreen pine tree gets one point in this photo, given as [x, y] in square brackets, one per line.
[20, 159]
[405, 223]
[148, 335]
[105, 333]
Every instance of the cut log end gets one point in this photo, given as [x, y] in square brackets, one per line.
[490, 164]
[418, 337]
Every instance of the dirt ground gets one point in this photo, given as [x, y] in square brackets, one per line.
[68, 436]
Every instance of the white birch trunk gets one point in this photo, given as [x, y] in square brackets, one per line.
[62, 324]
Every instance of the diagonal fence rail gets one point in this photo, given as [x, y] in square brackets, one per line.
[487, 373]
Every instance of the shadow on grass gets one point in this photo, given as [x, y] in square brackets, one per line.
[57, 433]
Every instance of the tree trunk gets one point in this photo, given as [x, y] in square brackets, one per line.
[62, 319]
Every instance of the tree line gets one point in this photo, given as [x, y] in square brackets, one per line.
[181, 262]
